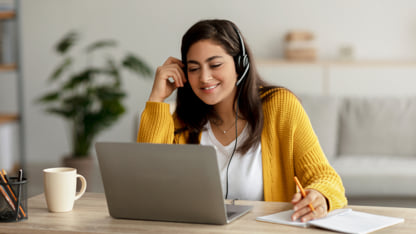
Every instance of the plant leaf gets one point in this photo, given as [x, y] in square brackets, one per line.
[136, 65]
[61, 111]
[109, 113]
[77, 102]
[49, 97]
[114, 71]
[67, 42]
[82, 77]
[101, 44]
[108, 93]
[60, 69]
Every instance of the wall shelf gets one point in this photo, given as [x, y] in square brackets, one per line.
[344, 78]
[8, 118]
[285, 62]
[7, 67]
[4, 15]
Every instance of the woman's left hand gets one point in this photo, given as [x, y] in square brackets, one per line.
[301, 206]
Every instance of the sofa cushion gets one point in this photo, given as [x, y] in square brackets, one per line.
[378, 126]
[323, 114]
[389, 175]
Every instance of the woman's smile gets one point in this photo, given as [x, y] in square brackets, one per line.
[210, 88]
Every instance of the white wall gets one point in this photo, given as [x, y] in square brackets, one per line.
[378, 29]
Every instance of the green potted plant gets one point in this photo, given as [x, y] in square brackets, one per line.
[90, 96]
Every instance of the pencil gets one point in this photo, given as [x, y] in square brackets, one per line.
[5, 179]
[6, 196]
[302, 192]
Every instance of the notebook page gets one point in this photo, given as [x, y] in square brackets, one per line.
[355, 222]
[284, 217]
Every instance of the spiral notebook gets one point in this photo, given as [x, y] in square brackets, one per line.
[340, 220]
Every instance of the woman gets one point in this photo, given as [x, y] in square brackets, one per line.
[261, 133]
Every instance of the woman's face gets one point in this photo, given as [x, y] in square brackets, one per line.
[211, 73]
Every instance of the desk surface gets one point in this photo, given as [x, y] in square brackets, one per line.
[90, 215]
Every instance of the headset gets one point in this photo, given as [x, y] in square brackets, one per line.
[241, 60]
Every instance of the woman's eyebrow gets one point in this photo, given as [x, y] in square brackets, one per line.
[212, 58]
[207, 60]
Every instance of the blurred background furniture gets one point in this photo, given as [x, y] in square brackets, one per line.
[12, 138]
[370, 141]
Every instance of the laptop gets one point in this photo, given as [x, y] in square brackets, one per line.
[164, 182]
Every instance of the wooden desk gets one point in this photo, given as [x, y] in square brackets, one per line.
[90, 215]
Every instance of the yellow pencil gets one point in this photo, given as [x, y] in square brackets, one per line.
[302, 192]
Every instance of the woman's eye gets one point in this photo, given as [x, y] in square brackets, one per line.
[192, 69]
[216, 65]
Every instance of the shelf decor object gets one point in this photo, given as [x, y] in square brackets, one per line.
[299, 45]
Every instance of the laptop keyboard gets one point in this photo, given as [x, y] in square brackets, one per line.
[229, 214]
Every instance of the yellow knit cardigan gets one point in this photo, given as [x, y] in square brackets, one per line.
[288, 142]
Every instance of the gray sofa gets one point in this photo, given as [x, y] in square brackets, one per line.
[370, 141]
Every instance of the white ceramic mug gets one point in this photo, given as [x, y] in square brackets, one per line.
[60, 185]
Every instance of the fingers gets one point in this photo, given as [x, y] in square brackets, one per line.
[168, 77]
[302, 209]
[171, 60]
[176, 67]
[310, 197]
[170, 73]
[172, 68]
[305, 214]
[296, 198]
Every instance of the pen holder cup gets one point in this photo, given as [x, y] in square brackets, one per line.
[13, 200]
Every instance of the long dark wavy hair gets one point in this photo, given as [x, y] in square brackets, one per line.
[193, 112]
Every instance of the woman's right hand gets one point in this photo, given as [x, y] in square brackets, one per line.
[163, 87]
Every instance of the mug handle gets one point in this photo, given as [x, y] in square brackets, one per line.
[83, 186]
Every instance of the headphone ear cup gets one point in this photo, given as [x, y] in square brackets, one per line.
[245, 61]
[241, 63]
[238, 64]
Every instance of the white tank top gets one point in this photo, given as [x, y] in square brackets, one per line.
[245, 174]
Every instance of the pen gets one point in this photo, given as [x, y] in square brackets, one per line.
[303, 192]
[20, 179]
